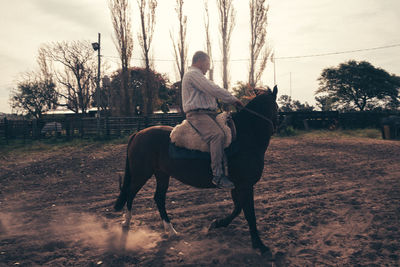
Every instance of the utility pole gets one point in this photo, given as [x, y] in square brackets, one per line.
[273, 61]
[96, 47]
[98, 81]
[290, 85]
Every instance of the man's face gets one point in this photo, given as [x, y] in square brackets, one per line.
[205, 65]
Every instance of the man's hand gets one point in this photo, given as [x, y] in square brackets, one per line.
[238, 104]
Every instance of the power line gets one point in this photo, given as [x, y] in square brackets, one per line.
[290, 57]
[341, 52]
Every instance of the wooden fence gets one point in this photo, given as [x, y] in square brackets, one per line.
[333, 119]
[82, 126]
[72, 127]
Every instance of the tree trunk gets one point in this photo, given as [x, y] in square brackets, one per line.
[124, 84]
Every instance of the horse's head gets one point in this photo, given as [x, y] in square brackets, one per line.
[264, 103]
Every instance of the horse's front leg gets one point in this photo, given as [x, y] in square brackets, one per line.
[236, 211]
[246, 197]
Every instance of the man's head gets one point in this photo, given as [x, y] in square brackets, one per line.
[202, 61]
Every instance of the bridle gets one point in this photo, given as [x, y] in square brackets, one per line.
[260, 116]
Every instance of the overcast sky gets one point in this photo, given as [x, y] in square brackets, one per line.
[296, 28]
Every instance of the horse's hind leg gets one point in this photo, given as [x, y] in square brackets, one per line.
[159, 198]
[136, 184]
[236, 211]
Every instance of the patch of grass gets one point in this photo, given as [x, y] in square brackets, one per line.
[53, 144]
[356, 133]
[287, 132]
[366, 133]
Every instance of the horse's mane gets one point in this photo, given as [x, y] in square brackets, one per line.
[249, 124]
[258, 102]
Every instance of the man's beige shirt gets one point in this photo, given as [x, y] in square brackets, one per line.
[198, 92]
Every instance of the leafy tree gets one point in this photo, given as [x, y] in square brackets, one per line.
[287, 104]
[34, 96]
[105, 95]
[137, 82]
[169, 97]
[243, 91]
[358, 85]
[326, 103]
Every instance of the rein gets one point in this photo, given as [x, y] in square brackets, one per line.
[260, 116]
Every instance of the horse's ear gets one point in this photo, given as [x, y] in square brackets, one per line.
[275, 91]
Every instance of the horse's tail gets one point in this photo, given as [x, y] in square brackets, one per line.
[124, 190]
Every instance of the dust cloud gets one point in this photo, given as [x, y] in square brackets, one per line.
[5, 219]
[95, 231]
[9, 223]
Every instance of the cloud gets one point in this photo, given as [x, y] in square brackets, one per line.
[79, 14]
[298, 27]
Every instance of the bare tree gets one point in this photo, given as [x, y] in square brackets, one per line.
[258, 45]
[123, 40]
[208, 40]
[147, 10]
[227, 17]
[180, 47]
[75, 71]
[44, 67]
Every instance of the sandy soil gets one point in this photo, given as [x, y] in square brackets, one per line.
[322, 202]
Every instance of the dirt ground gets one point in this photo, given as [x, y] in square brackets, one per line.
[321, 201]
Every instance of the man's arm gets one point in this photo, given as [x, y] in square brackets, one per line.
[203, 84]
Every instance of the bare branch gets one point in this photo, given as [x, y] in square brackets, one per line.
[76, 80]
[147, 11]
[208, 40]
[121, 20]
[258, 38]
[227, 17]
[180, 46]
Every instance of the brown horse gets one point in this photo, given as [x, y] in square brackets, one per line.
[148, 154]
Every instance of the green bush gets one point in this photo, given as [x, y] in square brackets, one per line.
[287, 131]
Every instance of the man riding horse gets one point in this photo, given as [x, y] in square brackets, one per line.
[149, 154]
[199, 99]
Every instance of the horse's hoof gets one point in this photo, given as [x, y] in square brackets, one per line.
[125, 225]
[266, 253]
[280, 259]
[169, 229]
[172, 233]
[213, 225]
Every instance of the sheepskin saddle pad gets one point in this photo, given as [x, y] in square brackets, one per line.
[184, 135]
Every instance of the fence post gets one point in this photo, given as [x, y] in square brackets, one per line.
[67, 129]
[6, 130]
[25, 127]
[146, 121]
[107, 127]
[34, 130]
[138, 118]
[81, 131]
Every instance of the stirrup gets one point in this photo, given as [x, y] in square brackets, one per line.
[222, 182]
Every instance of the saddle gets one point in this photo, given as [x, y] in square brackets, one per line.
[184, 135]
